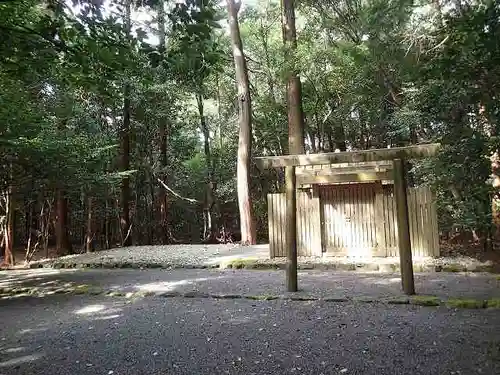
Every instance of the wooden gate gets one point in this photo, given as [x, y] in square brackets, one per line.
[355, 220]
[348, 219]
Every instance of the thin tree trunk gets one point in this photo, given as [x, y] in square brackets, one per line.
[8, 228]
[209, 201]
[293, 86]
[247, 224]
[125, 148]
[63, 243]
[106, 224]
[90, 232]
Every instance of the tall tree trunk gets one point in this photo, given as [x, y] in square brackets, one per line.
[247, 224]
[293, 86]
[63, 243]
[209, 201]
[163, 198]
[125, 148]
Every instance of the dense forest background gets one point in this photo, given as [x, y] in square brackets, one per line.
[120, 120]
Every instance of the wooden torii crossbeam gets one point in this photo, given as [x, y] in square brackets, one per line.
[398, 156]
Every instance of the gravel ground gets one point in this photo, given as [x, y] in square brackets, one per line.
[322, 284]
[220, 256]
[94, 335]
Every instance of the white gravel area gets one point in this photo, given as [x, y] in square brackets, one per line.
[219, 256]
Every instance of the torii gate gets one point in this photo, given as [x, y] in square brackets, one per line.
[398, 156]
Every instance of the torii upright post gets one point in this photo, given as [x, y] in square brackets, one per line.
[404, 242]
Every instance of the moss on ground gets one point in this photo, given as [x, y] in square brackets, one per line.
[338, 299]
[454, 268]
[263, 297]
[226, 296]
[247, 263]
[399, 301]
[425, 301]
[303, 298]
[493, 303]
[465, 303]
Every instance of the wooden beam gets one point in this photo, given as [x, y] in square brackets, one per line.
[300, 171]
[403, 223]
[342, 178]
[291, 229]
[410, 152]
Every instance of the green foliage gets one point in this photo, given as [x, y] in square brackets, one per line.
[374, 74]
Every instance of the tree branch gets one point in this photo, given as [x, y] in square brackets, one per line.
[190, 200]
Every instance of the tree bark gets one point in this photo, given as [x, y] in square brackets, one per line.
[247, 224]
[125, 147]
[63, 243]
[89, 236]
[8, 228]
[293, 86]
[163, 198]
[209, 201]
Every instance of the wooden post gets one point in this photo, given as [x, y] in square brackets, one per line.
[291, 229]
[404, 243]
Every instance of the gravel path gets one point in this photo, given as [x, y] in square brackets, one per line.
[94, 335]
[321, 284]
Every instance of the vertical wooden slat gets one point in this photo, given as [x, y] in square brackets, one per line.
[380, 221]
[363, 216]
[270, 223]
[368, 205]
[373, 229]
[307, 227]
[348, 225]
[336, 194]
[317, 224]
[300, 247]
[417, 225]
[277, 222]
[419, 201]
[411, 218]
[332, 194]
[367, 218]
[351, 243]
[389, 213]
[426, 222]
[282, 204]
[394, 226]
[434, 230]
[422, 225]
[359, 213]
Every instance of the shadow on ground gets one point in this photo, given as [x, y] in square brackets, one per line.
[318, 284]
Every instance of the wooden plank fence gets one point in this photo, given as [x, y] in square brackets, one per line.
[356, 220]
